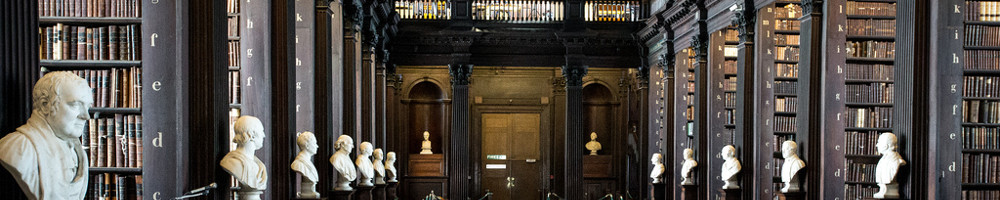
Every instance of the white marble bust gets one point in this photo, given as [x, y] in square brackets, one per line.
[425, 146]
[45, 155]
[730, 167]
[887, 167]
[367, 172]
[658, 169]
[341, 161]
[379, 166]
[593, 145]
[304, 166]
[687, 168]
[241, 163]
[390, 167]
[790, 169]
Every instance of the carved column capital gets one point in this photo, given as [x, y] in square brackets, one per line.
[574, 74]
[809, 7]
[460, 73]
[642, 76]
[559, 85]
[744, 20]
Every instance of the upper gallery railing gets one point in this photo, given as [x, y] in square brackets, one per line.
[517, 11]
[424, 9]
[612, 11]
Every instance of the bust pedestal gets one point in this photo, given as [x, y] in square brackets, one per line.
[891, 191]
[658, 191]
[792, 196]
[307, 190]
[390, 190]
[730, 194]
[249, 194]
[689, 192]
[379, 192]
[342, 195]
[363, 192]
[597, 166]
[426, 165]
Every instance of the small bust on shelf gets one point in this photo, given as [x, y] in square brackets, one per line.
[887, 167]
[687, 168]
[341, 161]
[593, 145]
[304, 166]
[367, 172]
[241, 163]
[45, 155]
[790, 170]
[658, 169]
[425, 147]
[379, 167]
[730, 167]
[390, 167]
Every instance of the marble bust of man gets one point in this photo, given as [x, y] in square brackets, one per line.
[593, 145]
[425, 146]
[241, 163]
[688, 167]
[367, 171]
[390, 167]
[379, 166]
[887, 167]
[341, 161]
[730, 167]
[45, 155]
[303, 165]
[658, 169]
[790, 169]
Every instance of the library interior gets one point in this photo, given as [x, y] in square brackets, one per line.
[500, 99]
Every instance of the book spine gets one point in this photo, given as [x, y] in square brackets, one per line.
[113, 42]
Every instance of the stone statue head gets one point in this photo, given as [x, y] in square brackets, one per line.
[728, 152]
[249, 132]
[789, 148]
[344, 143]
[688, 154]
[377, 154]
[307, 142]
[390, 157]
[427, 135]
[366, 149]
[63, 100]
[657, 158]
[886, 142]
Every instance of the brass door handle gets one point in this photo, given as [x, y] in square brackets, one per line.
[510, 182]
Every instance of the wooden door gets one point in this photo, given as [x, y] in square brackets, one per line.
[511, 155]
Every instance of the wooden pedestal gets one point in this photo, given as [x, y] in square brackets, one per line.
[342, 195]
[730, 194]
[379, 192]
[658, 191]
[598, 166]
[792, 196]
[390, 190]
[689, 192]
[363, 192]
[426, 165]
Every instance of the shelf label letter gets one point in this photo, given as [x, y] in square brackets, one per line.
[156, 86]
[152, 40]
[158, 140]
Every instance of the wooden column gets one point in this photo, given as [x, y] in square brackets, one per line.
[458, 155]
[328, 79]
[810, 109]
[19, 58]
[367, 92]
[649, 137]
[282, 103]
[352, 12]
[207, 136]
[748, 95]
[945, 148]
[379, 104]
[912, 98]
[574, 72]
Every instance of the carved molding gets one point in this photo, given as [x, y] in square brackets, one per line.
[559, 85]
[643, 76]
[808, 7]
[574, 74]
[744, 20]
[460, 73]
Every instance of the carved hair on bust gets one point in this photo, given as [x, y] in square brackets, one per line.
[305, 139]
[47, 90]
[247, 128]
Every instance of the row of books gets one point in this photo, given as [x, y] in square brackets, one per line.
[730, 115]
[777, 162]
[981, 111]
[860, 172]
[980, 168]
[234, 53]
[981, 137]
[981, 86]
[731, 35]
[982, 35]
[861, 142]
[110, 186]
[787, 25]
[871, 49]
[88, 8]
[980, 194]
[116, 88]
[778, 139]
[234, 87]
[787, 70]
[729, 67]
[689, 99]
[869, 92]
[786, 87]
[690, 86]
[786, 53]
[857, 71]
[871, 8]
[689, 113]
[730, 100]
[730, 85]
[788, 11]
[234, 26]
[982, 11]
[879, 27]
[786, 104]
[784, 124]
[114, 141]
[857, 191]
[982, 59]
[232, 6]
[66, 42]
[875, 117]
[781, 39]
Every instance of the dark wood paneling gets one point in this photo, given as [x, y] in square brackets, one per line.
[19, 60]
[810, 116]
[207, 111]
[945, 139]
[283, 102]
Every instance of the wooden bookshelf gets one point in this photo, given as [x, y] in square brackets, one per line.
[978, 126]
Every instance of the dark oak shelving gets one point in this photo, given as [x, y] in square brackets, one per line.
[117, 170]
[89, 20]
[116, 110]
[88, 63]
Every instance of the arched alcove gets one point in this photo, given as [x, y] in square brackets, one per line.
[598, 116]
[427, 112]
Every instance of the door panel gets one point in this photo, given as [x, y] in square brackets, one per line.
[512, 155]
